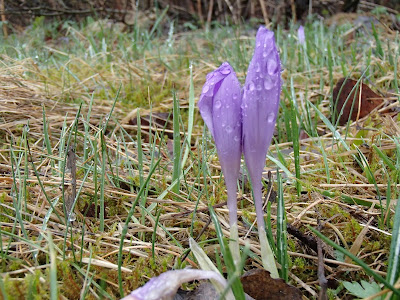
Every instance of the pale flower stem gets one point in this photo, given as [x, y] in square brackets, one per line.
[234, 244]
[234, 235]
[266, 252]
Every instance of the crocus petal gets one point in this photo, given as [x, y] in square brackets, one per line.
[210, 88]
[260, 107]
[165, 286]
[219, 106]
[300, 35]
[260, 101]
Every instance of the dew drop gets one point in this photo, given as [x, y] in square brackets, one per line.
[271, 117]
[225, 71]
[205, 89]
[235, 96]
[268, 83]
[271, 66]
[228, 129]
[259, 88]
[217, 104]
[268, 36]
[252, 86]
[258, 69]
[236, 138]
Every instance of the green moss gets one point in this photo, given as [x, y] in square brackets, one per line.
[15, 265]
[14, 288]
[72, 284]
[300, 263]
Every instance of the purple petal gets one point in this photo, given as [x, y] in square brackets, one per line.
[261, 100]
[300, 35]
[219, 106]
[165, 286]
[260, 106]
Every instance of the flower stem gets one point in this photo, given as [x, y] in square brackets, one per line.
[266, 253]
[232, 207]
[234, 244]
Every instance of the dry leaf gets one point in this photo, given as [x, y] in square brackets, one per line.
[369, 100]
[258, 284]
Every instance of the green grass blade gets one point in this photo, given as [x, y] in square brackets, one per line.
[177, 145]
[393, 273]
[281, 235]
[53, 269]
[102, 179]
[190, 117]
[384, 157]
[47, 139]
[295, 138]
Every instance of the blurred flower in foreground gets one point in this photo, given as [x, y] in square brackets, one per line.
[260, 106]
[301, 36]
[219, 106]
[165, 286]
[227, 114]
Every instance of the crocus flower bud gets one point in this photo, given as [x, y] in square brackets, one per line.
[165, 286]
[301, 36]
[219, 106]
[259, 108]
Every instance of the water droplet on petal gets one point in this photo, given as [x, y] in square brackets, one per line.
[271, 117]
[251, 86]
[272, 66]
[258, 67]
[225, 71]
[268, 83]
[269, 35]
[205, 89]
[235, 96]
[236, 138]
[217, 104]
[259, 88]
[228, 129]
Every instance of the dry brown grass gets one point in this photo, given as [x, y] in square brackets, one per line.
[27, 89]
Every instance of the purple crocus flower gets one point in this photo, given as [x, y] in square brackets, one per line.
[165, 286]
[219, 106]
[300, 35]
[245, 122]
[260, 106]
